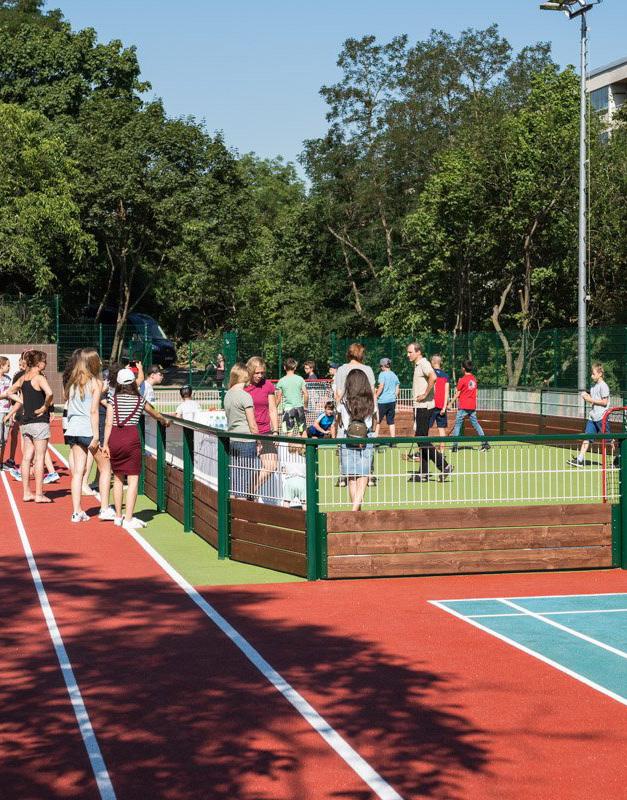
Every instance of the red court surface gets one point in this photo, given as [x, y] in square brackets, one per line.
[438, 708]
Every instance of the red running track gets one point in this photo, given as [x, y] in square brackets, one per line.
[440, 709]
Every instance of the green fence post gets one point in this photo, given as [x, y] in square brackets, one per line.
[623, 502]
[100, 340]
[224, 498]
[189, 364]
[279, 353]
[333, 347]
[142, 439]
[188, 479]
[229, 347]
[161, 467]
[323, 559]
[312, 513]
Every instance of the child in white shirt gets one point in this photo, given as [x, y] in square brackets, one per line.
[188, 408]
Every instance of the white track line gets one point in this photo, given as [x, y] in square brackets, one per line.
[591, 640]
[101, 774]
[553, 613]
[599, 688]
[349, 755]
[529, 597]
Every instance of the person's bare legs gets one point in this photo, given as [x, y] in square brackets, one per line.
[85, 487]
[48, 461]
[132, 483]
[118, 494]
[269, 464]
[15, 429]
[79, 459]
[28, 454]
[356, 490]
[41, 448]
[442, 432]
[104, 479]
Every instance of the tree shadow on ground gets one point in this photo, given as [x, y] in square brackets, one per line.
[180, 713]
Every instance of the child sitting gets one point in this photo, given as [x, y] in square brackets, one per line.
[323, 426]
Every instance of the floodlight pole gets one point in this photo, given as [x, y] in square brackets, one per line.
[582, 289]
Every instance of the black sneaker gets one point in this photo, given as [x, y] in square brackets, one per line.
[485, 446]
[448, 470]
[573, 462]
[341, 483]
[454, 448]
[9, 464]
[372, 481]
[418, 477]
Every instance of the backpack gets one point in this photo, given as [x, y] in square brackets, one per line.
[357, 429]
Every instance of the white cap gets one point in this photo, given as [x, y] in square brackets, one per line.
[125, 377]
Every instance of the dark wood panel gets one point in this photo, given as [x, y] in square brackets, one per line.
[292, 518]
[477, 517]
[174, 509]
[206, 531]
[150, 465]
[205, 494]
[465, 562]
[174, 476]
[269, 557]
[205, 512]
[174, 492]
[267, 535]
[484, 539]
[150, 492]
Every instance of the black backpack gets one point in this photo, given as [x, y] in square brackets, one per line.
[357, 429]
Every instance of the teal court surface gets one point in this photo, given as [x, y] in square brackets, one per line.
[584, 636]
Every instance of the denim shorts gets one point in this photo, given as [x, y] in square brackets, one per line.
[80, 441]
[356, 462]
[593, 426]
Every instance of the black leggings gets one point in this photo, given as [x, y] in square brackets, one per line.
[428, 452]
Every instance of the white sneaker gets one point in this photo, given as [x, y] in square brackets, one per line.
[137, 523]
[108, 515]
[81, 516]
[117, 521]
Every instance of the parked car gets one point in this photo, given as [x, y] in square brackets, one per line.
[163, 350]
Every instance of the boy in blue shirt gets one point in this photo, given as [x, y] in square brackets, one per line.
[386, 395]
[323, 425]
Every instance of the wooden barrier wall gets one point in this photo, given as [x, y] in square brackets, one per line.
[206, 513]
[150, 477]
[269, 536]
[494, 423]
[452, 541]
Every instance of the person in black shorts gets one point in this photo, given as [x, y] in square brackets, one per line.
[387, 394]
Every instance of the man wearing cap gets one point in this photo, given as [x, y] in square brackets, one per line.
[153, 378]
[388, 387]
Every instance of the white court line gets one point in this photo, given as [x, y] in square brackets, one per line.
[101, 774]
[591, 640]
[530, 597]
[552, 613]
[604, 690]
[350, 756]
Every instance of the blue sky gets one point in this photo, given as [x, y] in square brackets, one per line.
[253, 68]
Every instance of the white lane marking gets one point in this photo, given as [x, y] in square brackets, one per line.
[552, 613]
[101, 774]
[599, 688]
[584, 637]
[528, 597]
[358, 764]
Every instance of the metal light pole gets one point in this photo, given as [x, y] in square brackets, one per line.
[572, 9]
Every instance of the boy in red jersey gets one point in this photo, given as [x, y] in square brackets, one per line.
[466, 392]
[440, 398]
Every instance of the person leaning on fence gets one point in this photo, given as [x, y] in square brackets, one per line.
[240, 418]
[387, 394]
[422, 393]
[267, 417]
[187, 408]
[292, 390]
[154, 377]
[599, 399]
[466, 395]
[355, 419]
[441, 391]
[5, 404]
[294, 470]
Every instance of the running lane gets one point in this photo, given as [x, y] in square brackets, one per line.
[179, 712]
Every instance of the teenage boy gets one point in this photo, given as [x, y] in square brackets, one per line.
[310, 370]
[323, 425]
[291, 389]
[153, 378]
[422, 394]
[440, 398]
[599, 398]
[386, 395]
[466, 393]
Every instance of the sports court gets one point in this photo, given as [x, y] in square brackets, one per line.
[514, 687]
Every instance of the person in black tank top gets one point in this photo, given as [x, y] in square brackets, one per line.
[37, 400]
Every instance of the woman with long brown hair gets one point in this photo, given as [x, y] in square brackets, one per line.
[267, 418]
[356, 418]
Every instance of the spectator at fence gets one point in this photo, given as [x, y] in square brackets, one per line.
[153, 378]
[323, 425]
[599, 399]
[266, 415]
[123, 446]
[354, 360]
[387, 392]
[309, 368]
[355, 417]
[441, 391]
[189, 407]
[466, 393]
[5, 404]
[240, 417]
[16, 408]
[291, 389]
[422, 393]
[220, 369]
[83, 392]
[294, 469]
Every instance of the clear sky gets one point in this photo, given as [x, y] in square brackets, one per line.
[253, 68]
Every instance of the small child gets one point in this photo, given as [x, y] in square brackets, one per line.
[294, 468]
[599, 399]
[188, 408]
[466, 391]
[292, 391]
[323, 426]
[440, 398]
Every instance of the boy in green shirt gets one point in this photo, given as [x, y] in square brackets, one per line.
[291, 390]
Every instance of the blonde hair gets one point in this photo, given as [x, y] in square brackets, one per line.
[598, 367]
[252, 364]
[86, 367]
[238, 374]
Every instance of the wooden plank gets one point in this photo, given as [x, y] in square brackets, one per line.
[175, 493]
[456, 540]
[174, 509]
[206, 531]
[476, 517]
[282, 538]
[150, 492]
[469, 562]
[203, 511]
[205, 494]
[150, 465]
[174, 476]
[269, 557]
[292, 518]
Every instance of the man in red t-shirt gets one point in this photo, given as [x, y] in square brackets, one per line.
[466, 392]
